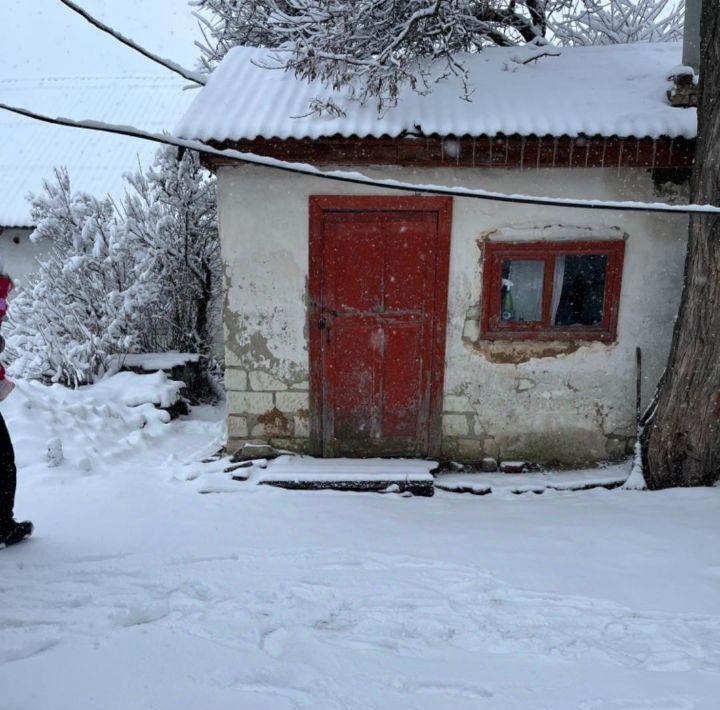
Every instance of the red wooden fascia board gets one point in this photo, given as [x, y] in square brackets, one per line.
[525, 152]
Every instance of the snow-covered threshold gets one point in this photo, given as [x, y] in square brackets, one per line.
[137, 592]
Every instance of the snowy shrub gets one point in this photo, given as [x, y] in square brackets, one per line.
[85, 302]
[171, 213]
[136, 277]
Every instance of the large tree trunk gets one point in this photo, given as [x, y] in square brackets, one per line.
[681, 439]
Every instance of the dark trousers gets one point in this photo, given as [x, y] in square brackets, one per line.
[8, 478]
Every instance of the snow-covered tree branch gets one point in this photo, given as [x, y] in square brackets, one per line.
[619, 22]
[171, 212]
[370, 47]
[85, 301]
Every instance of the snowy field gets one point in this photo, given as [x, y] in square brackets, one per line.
[137, 592]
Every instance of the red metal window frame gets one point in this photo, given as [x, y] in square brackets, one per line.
[494, 253]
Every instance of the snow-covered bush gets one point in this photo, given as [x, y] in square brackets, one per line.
[86, 301]
[171, 212]
[135, 277]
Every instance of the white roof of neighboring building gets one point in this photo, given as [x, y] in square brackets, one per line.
[610, 90]
[29, 150]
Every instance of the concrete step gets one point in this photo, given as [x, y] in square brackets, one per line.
[537, 482]
[417, 485]
[416, 477]
[381, 475]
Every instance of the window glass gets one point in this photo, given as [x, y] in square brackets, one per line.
[557, 290]
[521, 290]
[579, 289]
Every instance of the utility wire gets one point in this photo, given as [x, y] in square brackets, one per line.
[188, 74]
[356, 178]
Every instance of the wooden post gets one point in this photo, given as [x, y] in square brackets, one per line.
[691, 36]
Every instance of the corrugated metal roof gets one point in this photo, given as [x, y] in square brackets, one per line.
[611, 90]
[29, 150]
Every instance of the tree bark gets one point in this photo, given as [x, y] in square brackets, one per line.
[681, 437]
[202, 319]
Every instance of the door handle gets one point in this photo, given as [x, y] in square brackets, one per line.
[322, 324]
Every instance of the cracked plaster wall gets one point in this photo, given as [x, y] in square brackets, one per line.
[548, 402]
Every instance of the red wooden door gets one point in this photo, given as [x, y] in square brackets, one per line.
[378, 319]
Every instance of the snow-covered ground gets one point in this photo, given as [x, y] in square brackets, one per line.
[137, 592]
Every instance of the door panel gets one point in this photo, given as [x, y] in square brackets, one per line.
[377, 274]
[403, 415]
[353, 394]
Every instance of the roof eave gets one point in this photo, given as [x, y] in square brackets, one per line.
[498, 151]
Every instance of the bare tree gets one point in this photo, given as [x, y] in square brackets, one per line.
[617, 22]
[681, 439]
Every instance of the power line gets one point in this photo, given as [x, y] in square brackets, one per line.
[188, 74]
[356, 178]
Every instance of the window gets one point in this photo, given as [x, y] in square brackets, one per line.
[551, 290]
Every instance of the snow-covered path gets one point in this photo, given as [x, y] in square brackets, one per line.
[136, 592]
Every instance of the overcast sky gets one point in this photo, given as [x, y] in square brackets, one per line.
[44, 38]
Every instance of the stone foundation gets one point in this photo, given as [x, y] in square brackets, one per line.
[262, 408]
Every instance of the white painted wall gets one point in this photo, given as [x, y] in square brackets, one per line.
[20, 254]
[565, 407]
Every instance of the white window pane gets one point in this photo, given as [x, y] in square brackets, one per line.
[521, 290]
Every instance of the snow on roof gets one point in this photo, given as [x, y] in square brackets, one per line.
[29, 150]
[614, 90]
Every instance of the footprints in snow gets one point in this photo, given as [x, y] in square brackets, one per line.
[138, 614]
[463, 690]
[273, 642]
[406, 606]
[377, 603]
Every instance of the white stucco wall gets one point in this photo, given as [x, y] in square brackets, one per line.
[20, 254]
[542, 402]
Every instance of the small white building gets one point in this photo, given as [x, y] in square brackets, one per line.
[362, 321]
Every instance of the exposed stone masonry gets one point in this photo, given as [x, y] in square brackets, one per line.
[265, 408]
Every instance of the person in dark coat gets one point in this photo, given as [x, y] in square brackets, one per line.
[11, 531]
[6, 285]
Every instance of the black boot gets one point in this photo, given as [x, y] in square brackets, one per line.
[12, 532]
